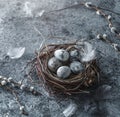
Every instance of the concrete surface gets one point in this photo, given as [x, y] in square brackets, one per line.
[16, 30]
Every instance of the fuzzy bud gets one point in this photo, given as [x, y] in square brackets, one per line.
[31, 88]
[88, 4]
[22, 108]
[20, 82]
[22, 87]
[5, 78]
[115, 46]
[109, 17]
[113, 29]
[110, 25]
[98, 36]
[9, 79]
[104, 36]
[98, 13]
[3, 82]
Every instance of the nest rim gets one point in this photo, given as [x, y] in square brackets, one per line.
[68, 86]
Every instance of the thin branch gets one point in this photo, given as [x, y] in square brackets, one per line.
[78, 6]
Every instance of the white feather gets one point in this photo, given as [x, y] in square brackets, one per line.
[70, 110]
[28, 8]
[89, 53]
[88, 47]
[16, 53]
[39, 14]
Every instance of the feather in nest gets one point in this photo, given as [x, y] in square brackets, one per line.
[88, 53]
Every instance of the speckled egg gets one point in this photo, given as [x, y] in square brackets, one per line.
[76, 67]
[74, 53]
[54, 64]
[63, 72]
[61, 54]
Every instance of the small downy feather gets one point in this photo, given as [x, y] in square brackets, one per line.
[39, 14]
[70, 110]
[28, 8]
[16, 53]
[89, 53]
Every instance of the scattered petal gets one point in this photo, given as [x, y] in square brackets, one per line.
[70, 110]
[15, 53]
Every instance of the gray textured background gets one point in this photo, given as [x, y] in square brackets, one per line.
[16, 30]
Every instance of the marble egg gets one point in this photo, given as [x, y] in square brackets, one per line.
[76, 67]
[62, 55]
[63, 72]
[74, 53]
[54, 64]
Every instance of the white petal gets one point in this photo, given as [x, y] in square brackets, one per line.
[15, 53]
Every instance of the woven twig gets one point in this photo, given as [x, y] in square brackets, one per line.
[79, 83]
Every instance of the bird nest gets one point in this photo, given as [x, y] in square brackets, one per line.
[75, 84]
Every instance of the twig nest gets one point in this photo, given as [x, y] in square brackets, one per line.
[54, 64]
[70, 76]
[63, 72]
[76, 67]
[61, 55]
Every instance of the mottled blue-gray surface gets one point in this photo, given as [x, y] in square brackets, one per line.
[16, 30]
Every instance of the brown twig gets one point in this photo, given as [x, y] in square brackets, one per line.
[76, 83]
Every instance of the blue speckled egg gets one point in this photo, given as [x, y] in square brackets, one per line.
[63, 72]
[61, 55]
[54, 64]
[76, 67]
